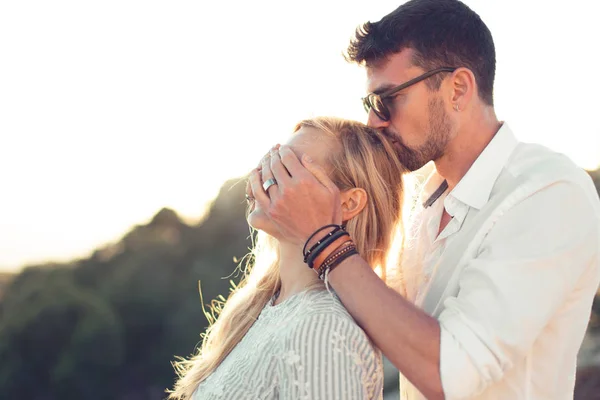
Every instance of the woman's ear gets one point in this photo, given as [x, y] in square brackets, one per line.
[353, 202]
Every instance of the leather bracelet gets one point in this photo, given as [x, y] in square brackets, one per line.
[306, 253]
[322, 245]
[326, 248]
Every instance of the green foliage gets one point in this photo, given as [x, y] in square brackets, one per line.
[108, 327]
[56, 337]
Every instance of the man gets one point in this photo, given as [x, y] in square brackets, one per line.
[502, 263]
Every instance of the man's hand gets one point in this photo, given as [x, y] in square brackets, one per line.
[304, 198]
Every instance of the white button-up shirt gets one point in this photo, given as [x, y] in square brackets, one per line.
[512, 276]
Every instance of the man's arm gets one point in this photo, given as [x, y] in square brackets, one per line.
[407, 336]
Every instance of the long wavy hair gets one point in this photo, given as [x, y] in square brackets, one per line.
[364, 159]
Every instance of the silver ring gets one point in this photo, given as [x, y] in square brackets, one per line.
[268, 183]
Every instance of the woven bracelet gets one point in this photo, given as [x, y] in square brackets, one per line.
[337, 262]
[340, 251]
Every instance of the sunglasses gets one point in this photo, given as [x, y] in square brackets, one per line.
[377, 102]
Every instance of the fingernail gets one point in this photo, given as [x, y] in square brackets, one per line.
[307, 158]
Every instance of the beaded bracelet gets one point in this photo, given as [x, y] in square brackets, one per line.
[341, 250]
[337, 262]
[332, 255]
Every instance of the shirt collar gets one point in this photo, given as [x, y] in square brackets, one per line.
[433, 187]
[475, 187]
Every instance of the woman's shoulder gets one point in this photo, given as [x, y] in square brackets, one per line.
[322, 336]
[324, 304]
[322, 311]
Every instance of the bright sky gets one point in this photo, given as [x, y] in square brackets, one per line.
[110, 110]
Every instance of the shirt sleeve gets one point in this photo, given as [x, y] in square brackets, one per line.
[529, 263]
[326, 357]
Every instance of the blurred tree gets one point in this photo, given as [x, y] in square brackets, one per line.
[58, 341]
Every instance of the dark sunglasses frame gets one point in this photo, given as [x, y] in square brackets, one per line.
[382, 111]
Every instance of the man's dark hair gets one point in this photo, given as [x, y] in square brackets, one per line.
[442, 33]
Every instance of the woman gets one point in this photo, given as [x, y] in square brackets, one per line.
[283, 334]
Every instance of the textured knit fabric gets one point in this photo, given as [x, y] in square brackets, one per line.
[307, 347]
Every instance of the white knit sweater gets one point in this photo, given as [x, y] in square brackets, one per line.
[307, 347]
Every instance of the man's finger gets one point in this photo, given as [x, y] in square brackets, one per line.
[291, 162]
[257, 190]
[318, 172]
[278, 169]
[266, 175]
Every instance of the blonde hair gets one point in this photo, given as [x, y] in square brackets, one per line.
[364, 159]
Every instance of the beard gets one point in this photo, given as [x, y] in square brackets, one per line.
[436, 141]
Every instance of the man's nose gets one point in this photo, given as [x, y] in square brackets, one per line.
[375, 122]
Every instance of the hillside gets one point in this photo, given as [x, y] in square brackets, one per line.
[108, 326]
[5, 278]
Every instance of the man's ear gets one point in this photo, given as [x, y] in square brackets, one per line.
[463, 87]
[353, 202]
